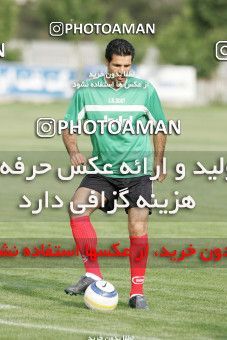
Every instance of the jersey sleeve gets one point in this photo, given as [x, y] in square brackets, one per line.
[76, 109]
[155, 111]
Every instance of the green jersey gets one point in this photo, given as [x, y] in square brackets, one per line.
[136, 100]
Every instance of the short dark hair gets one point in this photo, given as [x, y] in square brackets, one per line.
[119, 47]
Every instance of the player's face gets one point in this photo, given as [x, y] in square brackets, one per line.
[119, 66]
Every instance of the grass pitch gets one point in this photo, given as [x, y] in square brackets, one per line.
[187, 303]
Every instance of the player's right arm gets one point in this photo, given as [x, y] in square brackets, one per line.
[76, 111]
[70, 141]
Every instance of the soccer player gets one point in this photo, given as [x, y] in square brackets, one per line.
[116, 95]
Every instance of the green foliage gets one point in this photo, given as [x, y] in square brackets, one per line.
[79, 11]
[180, 44]
[35, 16]
[189, 38]
[61, 10]
[8, 18]
[144, 11]
[13, 55]
[31, 26]
[209, 14]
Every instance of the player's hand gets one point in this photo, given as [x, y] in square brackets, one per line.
[77, 158]
[162, 176]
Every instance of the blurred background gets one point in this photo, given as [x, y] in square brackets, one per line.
[179, 59]
[37, 75]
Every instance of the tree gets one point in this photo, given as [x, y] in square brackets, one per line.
[189, 38]
[8, 19]
[209, 14]
[8, 25]
[78, 11]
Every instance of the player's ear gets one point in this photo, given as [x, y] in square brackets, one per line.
[107, 62]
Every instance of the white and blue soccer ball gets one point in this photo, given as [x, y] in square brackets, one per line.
[101, 295]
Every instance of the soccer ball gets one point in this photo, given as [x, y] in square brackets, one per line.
[101, 295]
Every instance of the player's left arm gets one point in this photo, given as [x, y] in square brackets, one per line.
[159, 140]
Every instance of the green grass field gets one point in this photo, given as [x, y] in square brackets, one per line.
[185, 303]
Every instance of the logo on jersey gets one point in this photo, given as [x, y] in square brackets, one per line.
[120, 119]
[112, 100]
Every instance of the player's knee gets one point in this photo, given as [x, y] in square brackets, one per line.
[74, 209]
[137, 228]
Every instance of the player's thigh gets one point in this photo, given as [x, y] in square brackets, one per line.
[81, 198]
[138, 221]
